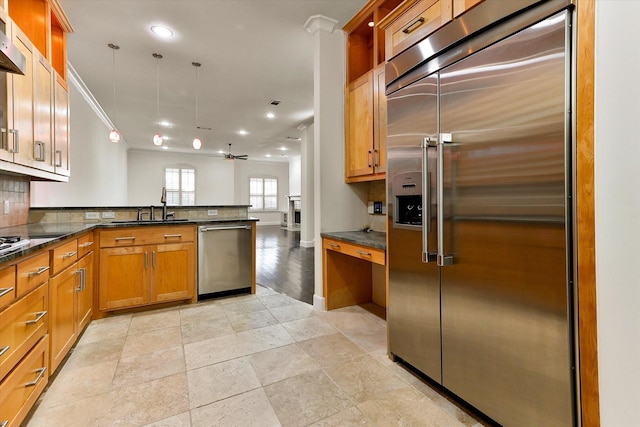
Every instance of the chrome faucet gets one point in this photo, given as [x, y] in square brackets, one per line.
[163, 200]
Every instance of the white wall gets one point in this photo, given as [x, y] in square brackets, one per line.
[244, 169]
[98, 167]
[617, 127]
[214, 177]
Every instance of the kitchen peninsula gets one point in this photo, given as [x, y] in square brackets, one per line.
[49, 292]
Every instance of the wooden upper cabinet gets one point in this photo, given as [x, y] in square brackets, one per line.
[359, 125]
[46, 25]
[461, 6]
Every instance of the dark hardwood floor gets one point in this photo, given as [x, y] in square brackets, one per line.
[282, 265]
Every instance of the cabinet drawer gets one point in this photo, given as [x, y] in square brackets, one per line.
[22, 324]
[32, 273]
[21, 388]
[357, 251]
[64, 255]
[132, 236]
[7, 286]
[416, 23]
[85, 244]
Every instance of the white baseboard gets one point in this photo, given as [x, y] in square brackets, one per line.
[307, 243]
[319, 302]
[259, 223]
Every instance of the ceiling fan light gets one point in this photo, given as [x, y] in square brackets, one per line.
[157, 139]
[197, 144]
[114, 136]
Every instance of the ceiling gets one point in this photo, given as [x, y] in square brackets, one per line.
[251, 51]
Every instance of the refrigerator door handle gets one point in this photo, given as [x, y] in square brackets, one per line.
[427, 255]
[443, 260]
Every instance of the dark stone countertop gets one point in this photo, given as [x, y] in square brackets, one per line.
[43, 234]
[372, 239]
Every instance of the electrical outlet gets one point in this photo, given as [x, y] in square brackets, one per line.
[212, 212]
[92, 215]
[109, 214]
[7, 207]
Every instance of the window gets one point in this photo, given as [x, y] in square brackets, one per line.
[263, 194]
[181, 186]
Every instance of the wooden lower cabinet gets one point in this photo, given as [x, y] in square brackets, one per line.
[21, 388]
[70, 307]
[140, 275]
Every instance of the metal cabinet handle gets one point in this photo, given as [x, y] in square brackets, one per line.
[443, 259]
[413, 26]
[38, 151]
[4, 291]
[235, 227]
[5, 423]
[38, 272]
[3, 143]
[369, 158]
[146, 263]
[376, 158]
[16, 141]
[58, 159]
[118, 239]
[82, 272]
[153, 259]
[86, 245]
[40, 372]
[69, 255]
[334, 245]
[4, 349]
[40, 315]
[359, 252]
[168, 236]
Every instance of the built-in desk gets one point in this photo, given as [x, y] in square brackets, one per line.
[347, 259]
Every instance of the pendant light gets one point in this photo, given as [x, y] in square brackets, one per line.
[157, 138]
[197, 143]
[114, 135]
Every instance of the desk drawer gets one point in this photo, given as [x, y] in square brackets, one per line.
[21, 388]
[32, 273]
[22, 324]
[132, 236]
[85, 244]
[363, 252]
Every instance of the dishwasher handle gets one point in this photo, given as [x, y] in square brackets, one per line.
[233, 227]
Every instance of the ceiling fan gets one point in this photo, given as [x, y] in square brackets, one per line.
[230, 156]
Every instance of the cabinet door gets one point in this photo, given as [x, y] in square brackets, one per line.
[84, 295]
[20, 138]
[62, 314]
[124, 277]
[173, 272]
[62, 145]
[359, 127]
[43, 115]
[380, 120]
[461, 6]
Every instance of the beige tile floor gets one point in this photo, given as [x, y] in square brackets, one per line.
[251, 360]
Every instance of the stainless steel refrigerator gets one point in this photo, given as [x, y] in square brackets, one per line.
[480, 213]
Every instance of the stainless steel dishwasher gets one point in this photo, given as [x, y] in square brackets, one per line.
[224, 259]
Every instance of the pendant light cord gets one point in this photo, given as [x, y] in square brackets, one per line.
[158, 58]
[196, 65]
[113, 51]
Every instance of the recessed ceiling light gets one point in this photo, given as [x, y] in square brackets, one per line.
[242, 132]
[161, 31]
[164, 147]
[220, 151]
[270, 115]
[282, 148]
[370, 23]
[268, 155]
[165, 137]
[165, 123]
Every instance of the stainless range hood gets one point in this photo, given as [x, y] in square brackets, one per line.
[11, 59]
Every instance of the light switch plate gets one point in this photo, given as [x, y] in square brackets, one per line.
[92, 215]
[109, 214]
[7, 207]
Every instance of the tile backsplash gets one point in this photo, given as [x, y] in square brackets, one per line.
[14, 198]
